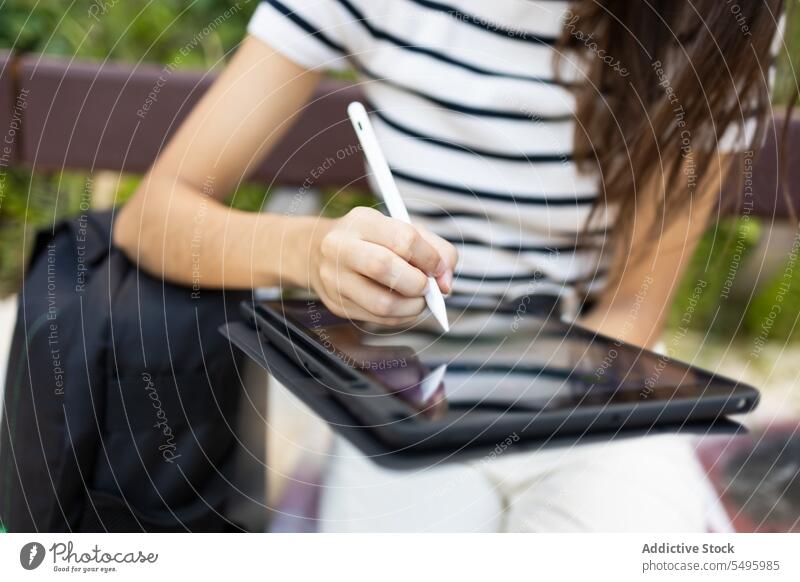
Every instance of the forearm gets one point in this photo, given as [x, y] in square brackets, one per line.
[634, 307]
[629, 323]
[175, 232]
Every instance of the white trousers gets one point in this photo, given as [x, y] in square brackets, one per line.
[650, 484]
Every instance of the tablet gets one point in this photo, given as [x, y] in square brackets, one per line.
[544, 379]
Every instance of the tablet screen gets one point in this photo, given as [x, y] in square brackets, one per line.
[545, 365]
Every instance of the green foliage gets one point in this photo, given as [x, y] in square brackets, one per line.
[703, 300]
[190, 34]
[28, 203]
[773, 314]
[249, 197]
[337, 203]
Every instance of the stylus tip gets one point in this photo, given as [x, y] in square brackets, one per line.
[435, 301]
[441, 317]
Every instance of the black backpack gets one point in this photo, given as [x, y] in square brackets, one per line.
[121, 396]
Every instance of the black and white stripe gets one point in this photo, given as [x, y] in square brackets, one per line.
[477, 127]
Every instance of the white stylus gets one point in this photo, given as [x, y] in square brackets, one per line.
[391, 195]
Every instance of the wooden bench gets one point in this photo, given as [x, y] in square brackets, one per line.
[91, 116]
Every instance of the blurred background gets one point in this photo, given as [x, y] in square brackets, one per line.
[730, 330]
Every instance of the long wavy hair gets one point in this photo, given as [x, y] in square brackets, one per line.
[662, 81]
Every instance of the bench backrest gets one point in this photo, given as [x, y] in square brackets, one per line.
[112, 116]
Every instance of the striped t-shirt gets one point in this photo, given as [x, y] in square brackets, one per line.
[476, 128]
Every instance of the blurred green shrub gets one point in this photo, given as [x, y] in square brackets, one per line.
[773, 315]
[704, 299]
[151, 31]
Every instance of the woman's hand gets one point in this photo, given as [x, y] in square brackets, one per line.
[369, 267]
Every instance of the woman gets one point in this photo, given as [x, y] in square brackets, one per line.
[567, 151]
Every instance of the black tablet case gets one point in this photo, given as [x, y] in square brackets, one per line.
[318, 398]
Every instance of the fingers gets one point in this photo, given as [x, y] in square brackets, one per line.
[375, 268]
[383, 266]
[352, 296]
[405, 241]
[348, 310]
[445, 249]
[375, 299]
[448, 253]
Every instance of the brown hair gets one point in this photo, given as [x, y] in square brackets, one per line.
[661, 82]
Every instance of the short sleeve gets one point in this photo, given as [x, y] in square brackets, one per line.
[312, 33]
